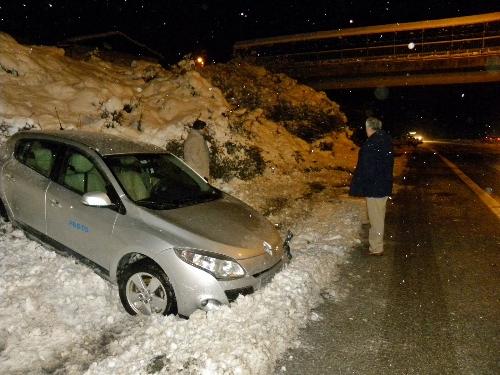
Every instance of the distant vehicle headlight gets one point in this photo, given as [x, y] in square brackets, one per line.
[220, 267]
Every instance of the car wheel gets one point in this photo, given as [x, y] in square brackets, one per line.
[145, 289]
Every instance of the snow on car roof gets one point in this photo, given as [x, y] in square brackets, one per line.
[103, 143]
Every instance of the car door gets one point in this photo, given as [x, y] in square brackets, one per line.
[85, 230]
[26, 178]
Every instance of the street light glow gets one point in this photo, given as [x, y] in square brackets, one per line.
[200, 61]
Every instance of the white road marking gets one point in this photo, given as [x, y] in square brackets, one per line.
[487, 199]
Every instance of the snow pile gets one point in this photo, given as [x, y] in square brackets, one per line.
[41, 88]
[303, 111]
[269, 123]
[51, 308]
[58, 316]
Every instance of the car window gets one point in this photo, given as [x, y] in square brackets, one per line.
[80, 174]
[39, 155]
[159, 181]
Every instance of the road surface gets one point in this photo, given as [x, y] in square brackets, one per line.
[431, 305]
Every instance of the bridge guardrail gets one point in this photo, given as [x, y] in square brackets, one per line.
[466, 34]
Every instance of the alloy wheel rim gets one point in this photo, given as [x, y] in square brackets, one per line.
[146, 294]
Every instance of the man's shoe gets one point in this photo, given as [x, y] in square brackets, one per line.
[376, 254]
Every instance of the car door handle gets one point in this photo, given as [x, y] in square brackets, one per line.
[10, 177]
[55, 203]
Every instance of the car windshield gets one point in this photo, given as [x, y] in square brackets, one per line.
[160, 181]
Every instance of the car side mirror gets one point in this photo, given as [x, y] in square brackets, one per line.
[96, 199]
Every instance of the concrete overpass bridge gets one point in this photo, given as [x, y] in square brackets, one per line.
[436, 52]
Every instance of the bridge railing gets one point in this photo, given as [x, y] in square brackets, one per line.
[465, 35]
[434, 48]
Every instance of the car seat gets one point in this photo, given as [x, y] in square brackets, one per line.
[130, 176]
[43, 160]
[40, 159]
[82, 176]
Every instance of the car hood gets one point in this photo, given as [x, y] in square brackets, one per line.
[228, 222]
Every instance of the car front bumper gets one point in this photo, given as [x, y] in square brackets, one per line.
[196, 289]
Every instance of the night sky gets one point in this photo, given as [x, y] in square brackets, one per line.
[176, 28]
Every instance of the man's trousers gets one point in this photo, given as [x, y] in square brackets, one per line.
[376, 215]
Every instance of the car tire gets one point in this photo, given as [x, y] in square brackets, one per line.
[145, 289]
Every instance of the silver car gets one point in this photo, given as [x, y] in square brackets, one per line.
[140, 217]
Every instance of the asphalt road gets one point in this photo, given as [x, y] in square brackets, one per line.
[431, 304]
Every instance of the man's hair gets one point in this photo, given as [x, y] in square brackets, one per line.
[373, 123]
[198, 124]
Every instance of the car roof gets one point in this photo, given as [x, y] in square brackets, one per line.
[102, 143]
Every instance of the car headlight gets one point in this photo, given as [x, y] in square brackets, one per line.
[220, 267]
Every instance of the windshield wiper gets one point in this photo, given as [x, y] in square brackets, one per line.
[157, 205]
[205, 197]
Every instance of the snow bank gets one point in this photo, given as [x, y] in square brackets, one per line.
[51, 308]
[41, 88]
[58, 315]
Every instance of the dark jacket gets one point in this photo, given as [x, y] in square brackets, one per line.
[373, 175]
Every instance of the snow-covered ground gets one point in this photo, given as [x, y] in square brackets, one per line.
[58, 316]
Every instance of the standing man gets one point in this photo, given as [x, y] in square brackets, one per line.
[373, 180]
[196, 153]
